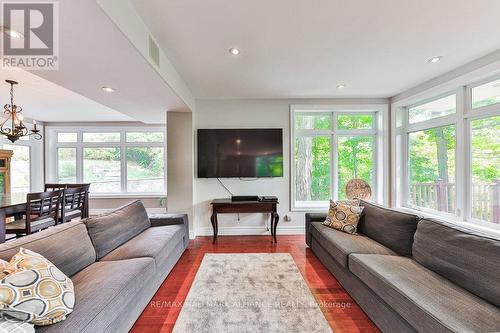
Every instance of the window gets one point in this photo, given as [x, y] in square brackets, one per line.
[101, 168]
[432, 169]
[355, 160]
[66, 161]
[437, 108]
[486, 94]
[145, 137]
[113, 160]
[20, 168]
[447, 156]
[145, 169]
[312, 170]
[331, 147]
[485, 168]
[346, 121]
[101, 137]
[67, 137]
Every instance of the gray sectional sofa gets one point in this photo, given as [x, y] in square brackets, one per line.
[415, 275]
[116, 261]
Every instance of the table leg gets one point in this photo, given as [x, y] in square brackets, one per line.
[215, 226]
[272, 223]
[276, 220]
[2, 226]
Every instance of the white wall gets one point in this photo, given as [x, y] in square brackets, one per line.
[251, 114]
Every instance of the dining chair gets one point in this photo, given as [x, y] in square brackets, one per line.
[86, 201]
[74, 203]
[54, 187]
[42, 211]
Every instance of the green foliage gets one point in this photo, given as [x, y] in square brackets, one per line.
[320, 185]
[355, 122]
[147, 157]
[425, 159]
[103, 154]
[355, 160]
[145, 136]
[485, 146]
[318, 122]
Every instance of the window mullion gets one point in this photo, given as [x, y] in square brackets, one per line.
[123, 159]
[463, 170]
[334, 159]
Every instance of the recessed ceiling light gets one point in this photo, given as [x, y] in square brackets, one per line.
[435, 59]
[108, 89]
[341, 86]
[12, 33]
[234, 51]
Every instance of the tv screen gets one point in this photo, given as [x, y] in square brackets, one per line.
[250, 153]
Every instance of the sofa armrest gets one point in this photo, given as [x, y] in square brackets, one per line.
[164, 219]
[312, 217]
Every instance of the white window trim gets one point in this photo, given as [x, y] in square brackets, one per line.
[52, 146]
[381, 147]
[463, 156]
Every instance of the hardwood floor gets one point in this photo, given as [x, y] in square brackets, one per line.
[342, 313]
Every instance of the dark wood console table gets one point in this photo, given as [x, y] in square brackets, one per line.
[226, 206]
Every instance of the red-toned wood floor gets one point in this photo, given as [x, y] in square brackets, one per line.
[342, 313]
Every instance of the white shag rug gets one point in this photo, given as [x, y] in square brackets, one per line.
[250, 293]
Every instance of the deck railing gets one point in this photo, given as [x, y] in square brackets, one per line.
[441, 196]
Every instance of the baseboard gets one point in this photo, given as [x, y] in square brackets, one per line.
[235, 231]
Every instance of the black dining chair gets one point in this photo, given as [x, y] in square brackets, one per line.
[74, 203]
[54, 187]
[86, 186]
[42, 211]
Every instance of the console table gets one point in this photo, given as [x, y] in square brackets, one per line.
[226, 206]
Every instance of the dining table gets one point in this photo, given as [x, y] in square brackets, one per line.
[10, 205]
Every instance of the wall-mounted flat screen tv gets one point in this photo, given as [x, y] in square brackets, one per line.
[245, 153]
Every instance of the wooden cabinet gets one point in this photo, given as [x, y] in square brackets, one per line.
[5, 156]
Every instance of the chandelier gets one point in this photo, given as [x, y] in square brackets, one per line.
[12, 125]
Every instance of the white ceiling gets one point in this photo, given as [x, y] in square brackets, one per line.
[297, 48]
[46, 101]
[95, 53]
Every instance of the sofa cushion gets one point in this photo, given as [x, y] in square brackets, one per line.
[114, 229]
[392, 228]
[467, 254]
[103, 291]
[340, 244]
[67, 246]
[429, 302]
[156, 242]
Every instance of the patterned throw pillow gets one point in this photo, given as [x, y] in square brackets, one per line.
[32, 289]
[344, 216]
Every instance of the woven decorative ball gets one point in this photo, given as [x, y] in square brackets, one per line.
[358, 188]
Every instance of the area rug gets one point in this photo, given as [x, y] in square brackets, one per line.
[261, 292]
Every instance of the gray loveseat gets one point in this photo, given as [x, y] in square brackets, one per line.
[415, 275]
[117, 262]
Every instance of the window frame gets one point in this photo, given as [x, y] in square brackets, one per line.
[379, 132]
[408, 128]
[53, 145]
[462, 120]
